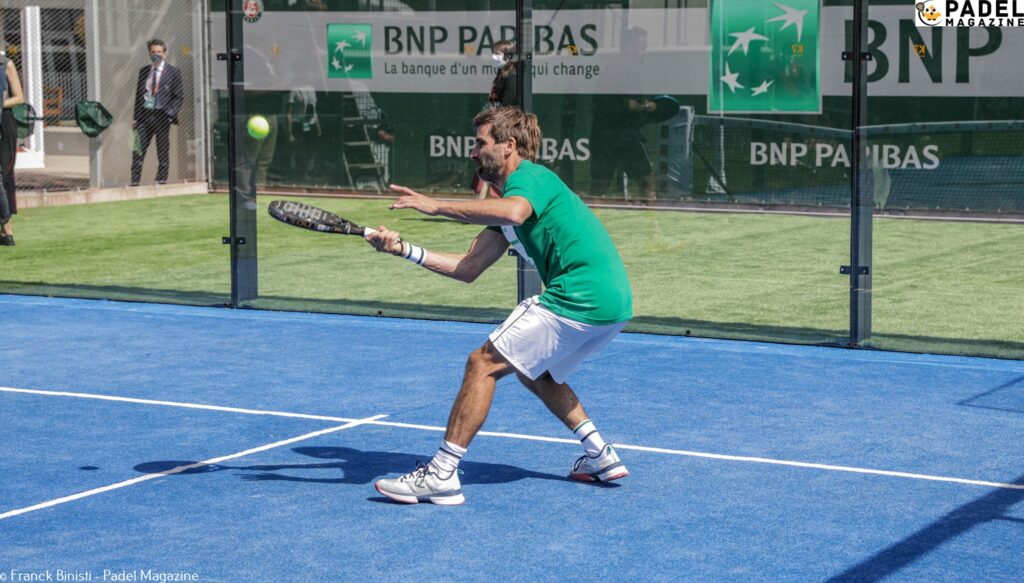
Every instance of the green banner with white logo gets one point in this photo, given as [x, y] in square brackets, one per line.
[765, 57]
[349, 54]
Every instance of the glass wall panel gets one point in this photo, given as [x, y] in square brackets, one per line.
[945, 139]
[713, 140]
[358, 96]
[103, 139]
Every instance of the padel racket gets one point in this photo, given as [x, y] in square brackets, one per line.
[666, 107]
[315, 219]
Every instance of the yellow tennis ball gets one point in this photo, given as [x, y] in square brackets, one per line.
[258, 127]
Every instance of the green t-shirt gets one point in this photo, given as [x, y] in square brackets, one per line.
[583, 275]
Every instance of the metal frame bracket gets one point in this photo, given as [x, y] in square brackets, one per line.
[848, 56]
[847, 270]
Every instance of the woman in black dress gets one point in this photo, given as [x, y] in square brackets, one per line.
[12, 95]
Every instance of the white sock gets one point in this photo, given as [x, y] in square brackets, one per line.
[592, 441]
[448, 457]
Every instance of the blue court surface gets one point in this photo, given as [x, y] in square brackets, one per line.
[152, 442]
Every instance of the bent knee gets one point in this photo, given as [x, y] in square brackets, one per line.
[487, 361]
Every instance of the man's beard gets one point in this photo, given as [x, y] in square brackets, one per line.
[489, 167]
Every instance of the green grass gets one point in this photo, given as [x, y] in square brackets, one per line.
[938, 286]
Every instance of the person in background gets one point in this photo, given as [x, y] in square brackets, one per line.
[503, 88]
[159, 95]
[504, 91]
[304, 132]
[617, 142]
[12, 94]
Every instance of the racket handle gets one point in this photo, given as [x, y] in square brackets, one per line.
[367, 231]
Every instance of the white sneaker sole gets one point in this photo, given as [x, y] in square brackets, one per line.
[605, 476]
[439, 499]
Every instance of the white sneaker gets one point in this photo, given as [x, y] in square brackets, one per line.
[424, 484]
[604, 468]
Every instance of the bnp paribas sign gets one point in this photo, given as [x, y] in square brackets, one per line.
[765, 56]
[349, 51]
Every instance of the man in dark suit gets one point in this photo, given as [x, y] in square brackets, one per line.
[158, 98]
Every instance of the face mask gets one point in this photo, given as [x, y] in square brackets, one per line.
[155, 58]
[498, 57]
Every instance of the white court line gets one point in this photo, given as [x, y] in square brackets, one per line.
[854, 470]
[679, 452]
[185, 468]
[734, 458]
[174, 404]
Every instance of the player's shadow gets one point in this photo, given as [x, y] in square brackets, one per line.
[1008, 396]
[355, 467]
[997, 505]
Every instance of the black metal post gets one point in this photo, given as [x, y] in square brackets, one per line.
[244, 277]
[862, 188]
[527, 278]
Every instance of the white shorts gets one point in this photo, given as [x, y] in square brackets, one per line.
[535, 340]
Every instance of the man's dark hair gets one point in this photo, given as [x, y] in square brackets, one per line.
[157, 42]
[509, 121]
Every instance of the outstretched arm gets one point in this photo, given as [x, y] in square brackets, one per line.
[641, 105]
[513, 210]
[485, 249]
